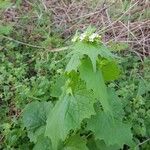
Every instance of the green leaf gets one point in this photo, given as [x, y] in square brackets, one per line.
[34, 118]
[110, 70]
[91, 144]
[33, 135]
[76, 143]
[109, 129]
[116, 105]
[5, 4]
[95, 82]
[142, 89]
[67, 115]
[147, 124]
[43, 143]
[100, 145]
[73, 63]
[91, 50]
[56, 88]
[5, 29]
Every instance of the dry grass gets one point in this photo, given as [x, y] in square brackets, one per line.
[124, 26]
[114, 19]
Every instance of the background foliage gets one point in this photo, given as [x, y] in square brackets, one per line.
[30, 73]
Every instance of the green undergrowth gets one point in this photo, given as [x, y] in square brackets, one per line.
[91, 97]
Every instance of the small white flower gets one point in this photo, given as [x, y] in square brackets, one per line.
[83, 36]
[93, 37]
[75, 38]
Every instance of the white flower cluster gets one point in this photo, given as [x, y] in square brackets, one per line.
[86, 37]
